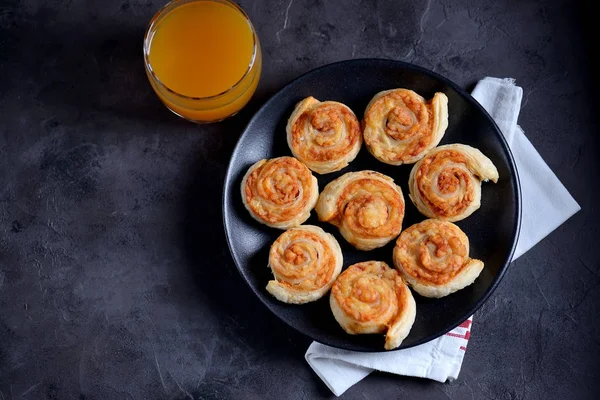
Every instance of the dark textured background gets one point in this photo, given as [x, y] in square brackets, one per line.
[115, 280]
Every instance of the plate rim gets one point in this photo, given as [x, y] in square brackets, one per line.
[413, 67]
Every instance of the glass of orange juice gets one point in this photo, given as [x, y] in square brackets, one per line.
[202, 58]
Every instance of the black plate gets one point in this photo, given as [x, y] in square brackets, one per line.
[492, 230]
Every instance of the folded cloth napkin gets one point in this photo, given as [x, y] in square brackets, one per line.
[546, 205]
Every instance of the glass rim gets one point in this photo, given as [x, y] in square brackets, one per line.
[171, 5]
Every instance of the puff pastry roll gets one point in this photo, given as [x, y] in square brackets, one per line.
[280, 192]
[446, 184]
[305, 262]
[370, 297]
[325, 136]
[400, 126]
[366, 206]
[433, 258]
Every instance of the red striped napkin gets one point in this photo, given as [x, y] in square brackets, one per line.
[546, 205]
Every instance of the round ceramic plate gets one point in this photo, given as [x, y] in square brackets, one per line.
[492, 230]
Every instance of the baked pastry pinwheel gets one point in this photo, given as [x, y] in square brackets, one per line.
[446, 184]
[279, 192]
[305, 262]
[366, 206]
[400, 126]
[370, 297]
[325, 136]
[433, 257]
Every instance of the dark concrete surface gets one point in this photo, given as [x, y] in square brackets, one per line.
[115, 279]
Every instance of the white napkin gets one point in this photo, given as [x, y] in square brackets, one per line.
[546, 205]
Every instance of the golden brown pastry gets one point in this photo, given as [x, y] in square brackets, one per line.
[325, 135]
[366, 206]
[400, 126]
[433, 258]
[305, 261]
[370, 297]
[446, 184]
[279, 192]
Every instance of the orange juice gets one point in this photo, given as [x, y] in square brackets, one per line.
[203, 58]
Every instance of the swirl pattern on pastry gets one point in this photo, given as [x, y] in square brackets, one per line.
[366, 206]
[400, 126]
[305, 262]
[279, 192]
[446, 184]
[370, 297]
[325, 136]
[433, 258]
